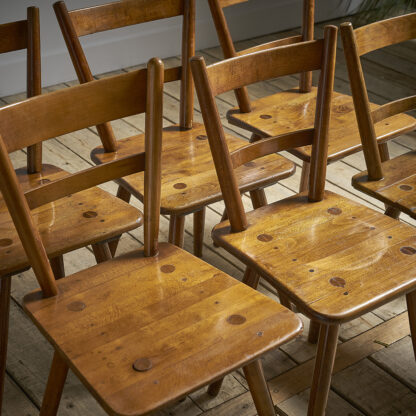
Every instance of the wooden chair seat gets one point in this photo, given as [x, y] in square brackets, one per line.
[189, 180]
[280, 113]
[140, 331]
[88, 217]
[330, 257]
[397, 188]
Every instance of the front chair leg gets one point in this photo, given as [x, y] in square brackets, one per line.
[5, 287]
[259, 389]
[304, 177]
[176, 229]
[411, 310]
[54, 387]
[101, 252]
[125, 196]
[313, 333]
[324, 364]
[392, 212]
[199, 225]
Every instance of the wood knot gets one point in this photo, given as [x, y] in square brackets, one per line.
[76, 306]
[408, 250]
[334, 211]
[202, 137]
[337, 281]
[142, 365]
[180, 185]
[4, 242]
[341, 109]
[265, 238]
[236, 319]
[250, 164]
[406, 187]
[265, 116]
[89, 214]
[168, 268]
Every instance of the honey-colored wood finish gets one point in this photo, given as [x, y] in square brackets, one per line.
[327, 254]
[146, 328]
[389, 181]
[296, 108]
[188, 180]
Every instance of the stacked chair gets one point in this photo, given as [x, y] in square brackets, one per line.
[91, 217]
[333, 258]
[146, 328]
[189, 182]
[392, 182]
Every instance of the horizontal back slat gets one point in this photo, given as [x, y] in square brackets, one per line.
[226, 3]
[393, 108]
[73, 109]
[271, 145]
[13, 36]
[237, 72]
[387, 32]
[85, 179]
[273, 44]
[123, 13]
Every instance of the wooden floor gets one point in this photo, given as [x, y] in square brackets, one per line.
[375, 373]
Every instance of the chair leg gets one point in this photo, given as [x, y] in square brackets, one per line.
[101, 252]
[176, 229]
[304, 177]
[199, 225]
[411, 310]
[5, 287]
[313, 333]
[54, 387]
[259, 389]
[58, 267]
[324, 363]
[215, 387]
[392, 212]
[258, 198]
[125, 196]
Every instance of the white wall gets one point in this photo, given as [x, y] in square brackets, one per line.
[133, 45]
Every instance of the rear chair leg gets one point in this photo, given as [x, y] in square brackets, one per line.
[324, 363]
[54, 387]
[411, 310]
[313, 333]
[259, 389]
[5, 287]
[101, 252]
[304, 177]
[125, 196]
[58, 267]
[199, 225]
[176, 229]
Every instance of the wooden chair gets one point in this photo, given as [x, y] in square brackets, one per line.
[96, 218]
[296, 107]
[177, 323]
[393, 181]
[189, 181]
[333, 258]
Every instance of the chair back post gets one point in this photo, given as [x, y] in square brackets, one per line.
[228, 49]
[28, 232]
[319, 154]
[219, 148]
[153, 146]
[308, 22]
[188, 51]
[81, 66]
[361, 103]
[34, 84]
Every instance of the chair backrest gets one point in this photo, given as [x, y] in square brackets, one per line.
[259, 66]
[359, 42]
[81, 22]
[229, 51]
[46, 116]
[24, 34]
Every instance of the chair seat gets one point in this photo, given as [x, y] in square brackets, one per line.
[179, 321]
[189, 180]
[69, 223]
[335, 258]
[290, 110]
[397, 188]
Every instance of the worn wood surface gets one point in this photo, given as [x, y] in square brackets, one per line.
[30, 356]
